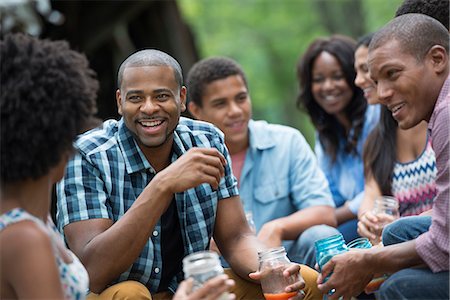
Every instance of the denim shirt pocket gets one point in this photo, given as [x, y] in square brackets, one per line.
[273, 191]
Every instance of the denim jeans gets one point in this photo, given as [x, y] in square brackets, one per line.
[415, 283]
[405, 229]
[302, 250]
[412, 283]
[349, 230]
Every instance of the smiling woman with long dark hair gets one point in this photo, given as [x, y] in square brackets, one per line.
[342, 120]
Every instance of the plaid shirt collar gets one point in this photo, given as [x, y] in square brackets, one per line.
[135, 160]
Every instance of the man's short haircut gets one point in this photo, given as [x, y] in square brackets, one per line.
[438, 9]
[208, 70]
[416, 33]
[147, 58]
[48, 93]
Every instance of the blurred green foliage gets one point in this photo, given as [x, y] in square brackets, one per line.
[267, 37]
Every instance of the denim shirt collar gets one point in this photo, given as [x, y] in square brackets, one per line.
[259, 138]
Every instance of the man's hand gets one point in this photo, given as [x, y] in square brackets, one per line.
[350, 275]
[210, 290]
[196, 166]
[291, 270]
[271, 234]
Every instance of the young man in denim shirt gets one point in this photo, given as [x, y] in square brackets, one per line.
[280, 182]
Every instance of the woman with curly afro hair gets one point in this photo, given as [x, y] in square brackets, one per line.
[342, 119]
[47, 97]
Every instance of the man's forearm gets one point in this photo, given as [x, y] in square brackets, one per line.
[244, 256]
[113, 251]
[393, 258]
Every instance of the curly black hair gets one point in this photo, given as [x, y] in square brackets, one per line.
[343, 49]
[438, 9]
[48, 93]
[208, 70]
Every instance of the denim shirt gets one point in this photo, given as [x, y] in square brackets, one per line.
[110, 171]
[346, 174]
[280, 175]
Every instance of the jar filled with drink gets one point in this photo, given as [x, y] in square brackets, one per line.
[272, 263]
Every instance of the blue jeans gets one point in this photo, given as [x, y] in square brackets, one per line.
[302, 250]
[405, 229]
[412, 283]
[349, 230]
[415, 283]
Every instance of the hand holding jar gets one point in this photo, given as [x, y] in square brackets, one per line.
[385, 210]
[280, 278]
[203, 272]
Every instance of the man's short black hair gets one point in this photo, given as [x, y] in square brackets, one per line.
[416, 34]
[208, 70]
[147, 58]
[47, 94]
[438, 9]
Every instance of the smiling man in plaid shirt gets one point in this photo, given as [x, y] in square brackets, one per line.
[143, 192]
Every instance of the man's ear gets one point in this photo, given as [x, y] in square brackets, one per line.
[194, 109]
[439, 58]
[183, 98]
[119, 101]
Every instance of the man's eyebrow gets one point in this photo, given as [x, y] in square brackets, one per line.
[163, 90]
[242, 93]
[133, 92]
[217, 100]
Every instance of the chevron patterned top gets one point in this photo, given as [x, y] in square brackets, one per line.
[413, 183]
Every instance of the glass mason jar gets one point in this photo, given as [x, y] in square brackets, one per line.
[327, 248]
[386, 209]
[360, 243]
[202, 266]
[378, 279]
[386, 205]
[272, 263]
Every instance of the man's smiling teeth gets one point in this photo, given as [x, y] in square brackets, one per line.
[151, 123]
[397, 107]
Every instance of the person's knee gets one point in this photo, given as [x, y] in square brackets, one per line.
[388, 236]
[247, 290]
[394, 287]
[244, 289]
[314, 233]
[309, 275]
[391, 232]
[125, 290]
[302, 250]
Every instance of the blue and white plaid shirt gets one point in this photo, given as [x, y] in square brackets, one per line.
[107, 175]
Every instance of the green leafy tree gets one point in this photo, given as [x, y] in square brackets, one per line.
[267, 38]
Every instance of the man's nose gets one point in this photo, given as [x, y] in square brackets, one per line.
[384, 93]
[149, 106]
[234, 109]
